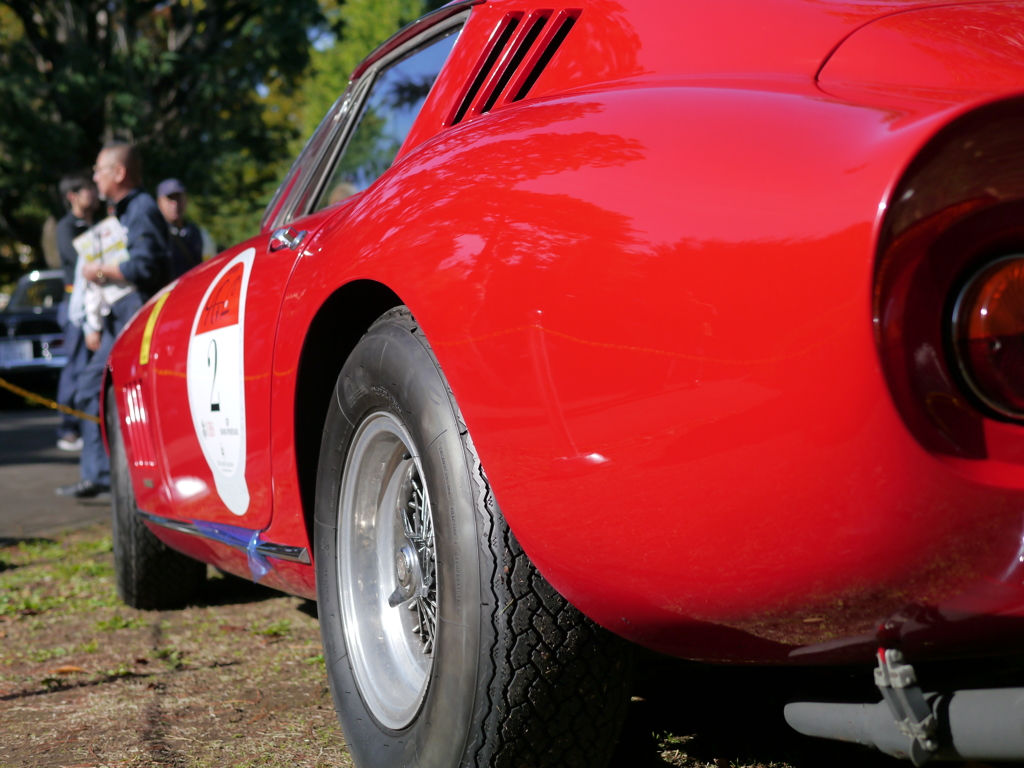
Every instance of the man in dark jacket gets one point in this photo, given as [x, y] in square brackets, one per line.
[83, 202]
[118, 177]
[190, 243]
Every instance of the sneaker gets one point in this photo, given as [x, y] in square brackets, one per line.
[83, 489]
[70, 443]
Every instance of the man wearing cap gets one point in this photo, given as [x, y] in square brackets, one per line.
[190, 243]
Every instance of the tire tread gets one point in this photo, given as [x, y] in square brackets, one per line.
[559, 683]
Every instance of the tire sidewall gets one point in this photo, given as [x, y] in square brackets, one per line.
[391, 370]
[121, 496]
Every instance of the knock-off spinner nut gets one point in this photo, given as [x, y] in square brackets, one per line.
[406, 571]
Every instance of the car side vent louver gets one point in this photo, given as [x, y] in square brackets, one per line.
[524, 41]
[498, 43]
[547, 50]
[521, 48]
[136, 420]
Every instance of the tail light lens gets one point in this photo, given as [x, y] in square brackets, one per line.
[949, 302]
[988, 335]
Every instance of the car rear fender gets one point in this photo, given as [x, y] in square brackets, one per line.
[643, 291]
[952, 54]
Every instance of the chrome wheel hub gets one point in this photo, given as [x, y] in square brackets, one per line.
[386, 570]
[407, 573]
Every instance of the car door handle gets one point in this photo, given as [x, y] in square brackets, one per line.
[286, 238]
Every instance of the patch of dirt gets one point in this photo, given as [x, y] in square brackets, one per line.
[86, 681]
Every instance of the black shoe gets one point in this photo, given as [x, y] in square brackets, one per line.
[83, 489]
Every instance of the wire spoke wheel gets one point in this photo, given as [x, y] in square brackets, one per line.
[444, 646]
[386, 573]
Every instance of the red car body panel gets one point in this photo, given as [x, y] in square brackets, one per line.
[650, 287]
[949, 53]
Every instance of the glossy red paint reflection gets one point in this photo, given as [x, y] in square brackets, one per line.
[935, 53]
[652, 286]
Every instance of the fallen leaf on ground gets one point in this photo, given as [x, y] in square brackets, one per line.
[67, 669]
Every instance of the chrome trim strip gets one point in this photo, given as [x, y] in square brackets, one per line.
[265, 548]
[175, 525]
[284, 552]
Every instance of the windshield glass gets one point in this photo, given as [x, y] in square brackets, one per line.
[43, 293]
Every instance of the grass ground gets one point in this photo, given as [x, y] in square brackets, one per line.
[85, 681]
[238, 680]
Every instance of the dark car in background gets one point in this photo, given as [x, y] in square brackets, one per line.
[31, 338]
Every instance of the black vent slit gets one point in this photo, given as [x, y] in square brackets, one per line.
[501, 40]
[537, 26]
[564, 24]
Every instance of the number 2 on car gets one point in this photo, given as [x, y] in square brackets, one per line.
[216, 379]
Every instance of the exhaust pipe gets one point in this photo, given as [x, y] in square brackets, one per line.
[985, 724]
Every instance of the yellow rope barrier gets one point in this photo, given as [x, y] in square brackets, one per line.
[47, 402]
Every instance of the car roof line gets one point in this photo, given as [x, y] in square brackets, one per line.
[410, 31]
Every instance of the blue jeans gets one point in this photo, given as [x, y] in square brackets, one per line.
[77, 354]
[95, 465]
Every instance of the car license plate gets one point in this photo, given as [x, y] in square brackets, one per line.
[11, 351]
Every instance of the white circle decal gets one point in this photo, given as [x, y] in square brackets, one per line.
[216, 379]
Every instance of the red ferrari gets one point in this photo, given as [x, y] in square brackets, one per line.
[698, 326]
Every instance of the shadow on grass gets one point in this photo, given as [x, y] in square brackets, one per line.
[308, 607]
[60, 686]
[13, 541]
[229, 589]
[732, 716]
[9, 541]
[67, 686]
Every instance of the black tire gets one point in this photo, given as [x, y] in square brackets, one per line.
[518, 677]
[150, 575]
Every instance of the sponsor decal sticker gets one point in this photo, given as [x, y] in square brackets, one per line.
[147, 333]
[216, 379]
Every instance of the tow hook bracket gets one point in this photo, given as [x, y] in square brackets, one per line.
[897, 682]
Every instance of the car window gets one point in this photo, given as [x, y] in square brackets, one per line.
[395, 99]
[38, 294]
[306, 163]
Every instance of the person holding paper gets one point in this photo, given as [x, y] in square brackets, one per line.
[127, 257]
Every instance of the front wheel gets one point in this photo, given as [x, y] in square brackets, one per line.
[444, 645]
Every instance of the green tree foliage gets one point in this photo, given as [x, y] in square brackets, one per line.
[219, 94]
[179, 77]
[356, 28]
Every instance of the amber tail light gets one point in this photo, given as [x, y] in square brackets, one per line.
[988, 335]
[949, 283]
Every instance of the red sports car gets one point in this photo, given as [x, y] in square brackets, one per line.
[699, 325]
